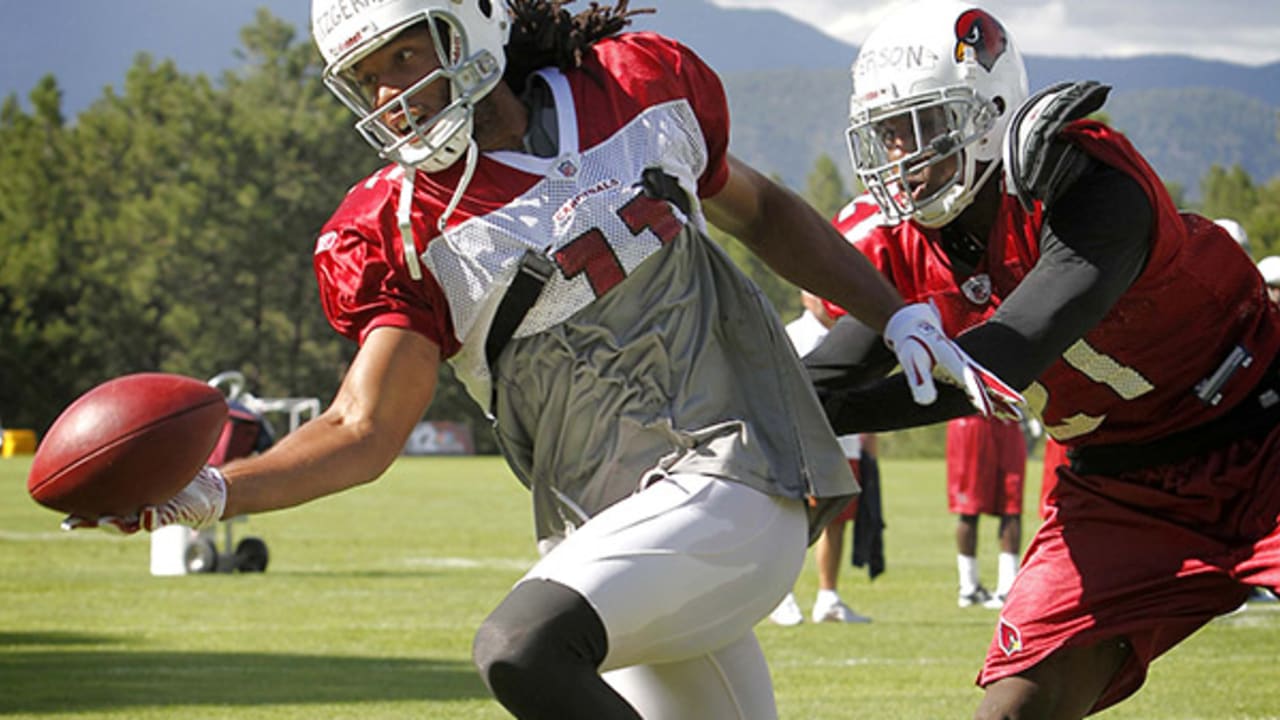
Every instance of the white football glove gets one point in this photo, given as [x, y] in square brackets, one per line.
[914, 334]
[1001, 400]
[199, 505]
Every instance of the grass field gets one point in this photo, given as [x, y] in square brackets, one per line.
[368, 607]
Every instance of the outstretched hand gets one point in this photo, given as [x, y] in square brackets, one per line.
[199, 505]
[914, 334]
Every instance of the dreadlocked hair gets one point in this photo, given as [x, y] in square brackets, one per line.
[543, 34]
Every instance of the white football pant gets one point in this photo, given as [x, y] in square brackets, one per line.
[680, 573]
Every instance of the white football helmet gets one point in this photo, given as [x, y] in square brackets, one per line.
[468, 35]
[1269, 266]
[1235, 230]
[936, 80]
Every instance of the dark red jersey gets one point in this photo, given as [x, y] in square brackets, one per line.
[1133, 376]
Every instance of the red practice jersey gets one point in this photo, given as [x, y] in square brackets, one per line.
[631, 79]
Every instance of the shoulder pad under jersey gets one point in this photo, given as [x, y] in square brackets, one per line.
[1037, 165]
[858, 217]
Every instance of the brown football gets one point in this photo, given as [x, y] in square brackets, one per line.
[132, 441]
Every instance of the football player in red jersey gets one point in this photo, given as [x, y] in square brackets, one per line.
[986, 469]
[1143, 338]
[541, 226]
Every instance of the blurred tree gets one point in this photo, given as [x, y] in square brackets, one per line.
[289, 160]
[1263, 224]
[41, 360]
[143, 196]
[1233, 194]
[824, 188]
[1228, 193]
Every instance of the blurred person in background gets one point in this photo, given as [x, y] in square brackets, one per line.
[1236, 231]
[986, 471]
[805, 332]
[1269, 268]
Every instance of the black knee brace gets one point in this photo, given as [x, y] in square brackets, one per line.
[539, 653]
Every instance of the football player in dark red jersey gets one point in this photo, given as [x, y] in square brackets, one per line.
[541, 227]
[1142, 337]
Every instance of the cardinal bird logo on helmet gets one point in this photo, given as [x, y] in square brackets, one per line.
[978, 30]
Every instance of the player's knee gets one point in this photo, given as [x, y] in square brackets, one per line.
[1008, 699]
[509, 654]
[1067, 684]
[541, 632]
[501, 657]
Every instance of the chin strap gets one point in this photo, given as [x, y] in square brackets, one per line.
[955, 204]
[404, 207]
[404, 221]
[468, 170]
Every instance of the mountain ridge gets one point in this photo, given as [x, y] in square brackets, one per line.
[788, 106]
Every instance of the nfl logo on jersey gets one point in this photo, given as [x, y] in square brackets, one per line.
[567, 168]
[977, 289]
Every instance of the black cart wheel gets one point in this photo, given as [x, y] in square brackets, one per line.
[202, 556]
[251, 555]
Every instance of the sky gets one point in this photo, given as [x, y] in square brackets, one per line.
[1240, 31]
[106, 34]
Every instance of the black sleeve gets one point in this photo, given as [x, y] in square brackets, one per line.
[847, 370]
[1094, 243]
[850, 355]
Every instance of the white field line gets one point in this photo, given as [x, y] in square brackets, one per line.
[458, 563]
[62, 535]
[451, 563]
[855, 661]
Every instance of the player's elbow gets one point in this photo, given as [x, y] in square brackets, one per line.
[374, 442]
